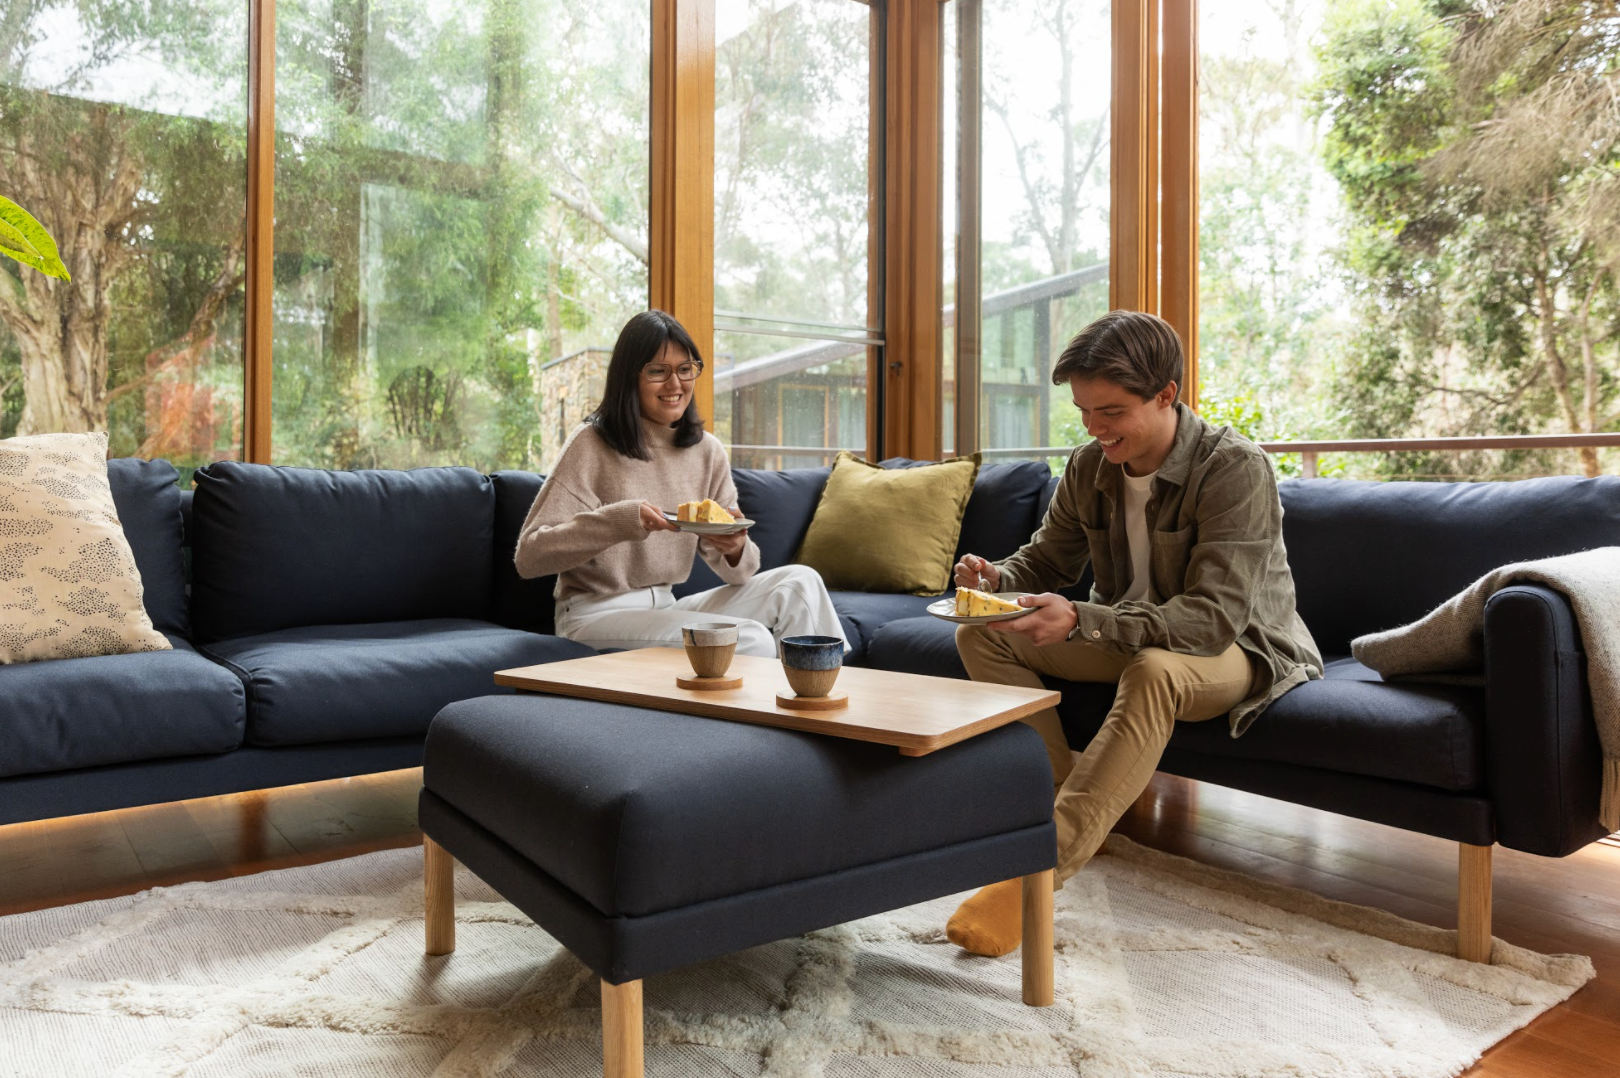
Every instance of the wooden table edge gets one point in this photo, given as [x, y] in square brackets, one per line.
[907, 744]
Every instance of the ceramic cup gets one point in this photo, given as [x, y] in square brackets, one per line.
[811, 663]
[710, 646]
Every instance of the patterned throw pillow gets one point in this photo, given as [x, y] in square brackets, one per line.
[69, 587]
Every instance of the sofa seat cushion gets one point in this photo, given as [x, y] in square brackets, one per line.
[863, 613]
[639, 811]
[1350, 721]
[344, 682]
[114, 709]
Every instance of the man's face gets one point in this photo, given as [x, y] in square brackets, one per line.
[1130, 430]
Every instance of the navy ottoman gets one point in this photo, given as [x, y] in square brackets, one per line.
[644, 840]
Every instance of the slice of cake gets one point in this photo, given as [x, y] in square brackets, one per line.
[976, 604]
[708, 511]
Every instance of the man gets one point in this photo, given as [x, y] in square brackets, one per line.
[1192, 612]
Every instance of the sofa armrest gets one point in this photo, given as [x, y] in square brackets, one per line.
[1544, 762]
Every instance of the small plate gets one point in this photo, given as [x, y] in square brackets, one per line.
[697, 527]
[945, 609]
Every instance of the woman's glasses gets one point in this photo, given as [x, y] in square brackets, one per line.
[659, 372]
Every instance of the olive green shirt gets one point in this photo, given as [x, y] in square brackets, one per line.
[1219, 571]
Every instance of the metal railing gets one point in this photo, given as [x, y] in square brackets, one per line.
[1310, 451]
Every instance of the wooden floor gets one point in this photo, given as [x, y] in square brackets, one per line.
[1566, 905]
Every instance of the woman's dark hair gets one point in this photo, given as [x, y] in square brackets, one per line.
[1136, 351]
[618, 418]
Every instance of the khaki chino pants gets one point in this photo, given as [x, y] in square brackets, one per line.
[1157, 689]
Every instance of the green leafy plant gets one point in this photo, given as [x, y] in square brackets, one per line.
[25, 239]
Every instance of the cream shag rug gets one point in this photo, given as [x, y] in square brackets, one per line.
[1165, 969]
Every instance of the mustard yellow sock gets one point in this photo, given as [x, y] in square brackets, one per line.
[991, 922]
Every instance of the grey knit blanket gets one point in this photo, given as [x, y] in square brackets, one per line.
[1451, 639]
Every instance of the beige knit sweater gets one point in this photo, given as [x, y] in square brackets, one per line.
[585, 524]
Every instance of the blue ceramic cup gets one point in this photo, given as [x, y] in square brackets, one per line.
[811, 663]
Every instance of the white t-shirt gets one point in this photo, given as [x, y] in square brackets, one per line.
[1137, 491]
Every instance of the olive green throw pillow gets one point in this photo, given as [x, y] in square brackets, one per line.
[889, 529]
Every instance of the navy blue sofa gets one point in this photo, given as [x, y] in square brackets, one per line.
[331, 615]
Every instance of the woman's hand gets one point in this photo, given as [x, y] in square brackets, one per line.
[730, 546]
[974, 572]
[654, 520]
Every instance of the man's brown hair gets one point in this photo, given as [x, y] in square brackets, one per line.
[1132, 349]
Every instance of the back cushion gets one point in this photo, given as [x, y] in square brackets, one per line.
[1001, 514]
[781, 504]
[515, 602]
[1371, 556]
[274, 548]
[148, 504]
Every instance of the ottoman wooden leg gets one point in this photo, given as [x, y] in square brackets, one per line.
[1037, 951]
[621, 1030]
[439, 897]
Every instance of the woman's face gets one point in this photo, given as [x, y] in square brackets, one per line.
[664, 401]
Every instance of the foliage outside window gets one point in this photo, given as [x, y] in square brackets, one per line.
[1409, 225]
[123, 129]
[461, 195]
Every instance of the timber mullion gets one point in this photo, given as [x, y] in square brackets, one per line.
[1179, 298]
[260, 225]
[1131, 257]
[680, 245]
[913, 251]
[969, 223]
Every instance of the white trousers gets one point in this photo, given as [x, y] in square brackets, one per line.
[773, 603]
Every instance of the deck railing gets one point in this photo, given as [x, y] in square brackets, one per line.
[1310, 452]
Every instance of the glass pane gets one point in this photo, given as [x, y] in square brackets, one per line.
[785, 403]
[1044, 204]
[461, 224]
[1268, 292]
[792, 196]
[123, 129]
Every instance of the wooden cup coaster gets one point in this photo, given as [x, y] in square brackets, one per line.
[709, 684]
[794, 702]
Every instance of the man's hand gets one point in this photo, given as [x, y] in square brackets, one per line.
[730, 546]
[654, 520]
[974, 572]
[1053, 620]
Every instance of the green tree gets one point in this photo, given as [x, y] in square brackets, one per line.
[1478, 148]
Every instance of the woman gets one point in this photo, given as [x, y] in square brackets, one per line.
[599, 523]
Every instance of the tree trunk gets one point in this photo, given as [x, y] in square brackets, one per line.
[83, 189]
[1547, 319]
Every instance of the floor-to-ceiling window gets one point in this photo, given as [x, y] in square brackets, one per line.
[793, 215]
[1037, 210]
[461, 204]
[122, 129]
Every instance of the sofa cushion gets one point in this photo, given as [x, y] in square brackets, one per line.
[515, 602]
[863, 613]
[781, 504]
[889, 529]
[70, 583]
[276, 548]
[1351, 721]
[113, 709]
[1000, 515]
[639, 811]
[917, 645]
[148, 500]
[1371, 556]
[343, 682]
